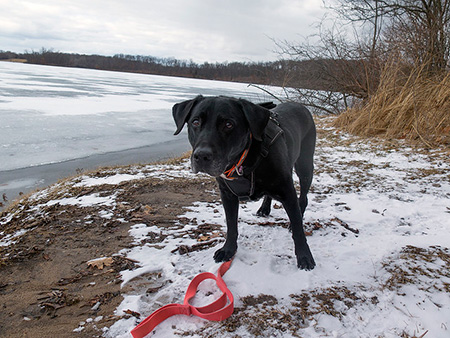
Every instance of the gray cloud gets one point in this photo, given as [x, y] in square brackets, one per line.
[233, 30]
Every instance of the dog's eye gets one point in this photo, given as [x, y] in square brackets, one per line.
[229, 125]
[195, 123]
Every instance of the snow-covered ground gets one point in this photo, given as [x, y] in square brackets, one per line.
[378, 219]
[379, 228]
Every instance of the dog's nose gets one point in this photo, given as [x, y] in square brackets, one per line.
[203, 156]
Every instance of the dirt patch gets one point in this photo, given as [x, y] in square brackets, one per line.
[429, 268]
[263, 316]
[47, 286]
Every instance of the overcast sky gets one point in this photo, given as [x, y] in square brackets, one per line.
[202, 30]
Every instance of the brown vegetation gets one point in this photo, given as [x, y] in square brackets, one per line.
[407, 104]
[390, 78]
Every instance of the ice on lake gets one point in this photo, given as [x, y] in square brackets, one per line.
[54, 114]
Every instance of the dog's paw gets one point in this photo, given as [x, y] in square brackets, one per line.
[305, 260]
[263, 212]
[306, 263]
[224, 255]
[264, 209]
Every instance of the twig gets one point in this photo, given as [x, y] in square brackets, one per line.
[423, 335]
[266, 91]
[184, 249]
[345, 225]
[420, 136]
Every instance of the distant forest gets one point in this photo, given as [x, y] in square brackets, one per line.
[267, 73]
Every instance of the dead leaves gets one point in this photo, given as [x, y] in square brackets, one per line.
[345, 225]
[100, 263]
[204, 242]
[104, 298]
[205, 238]
[206, 234]
[56, 299]
[114, 263]
[143, 213]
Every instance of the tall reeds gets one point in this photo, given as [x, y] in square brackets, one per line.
[408, 103]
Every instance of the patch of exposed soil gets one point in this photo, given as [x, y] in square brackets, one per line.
[49, 282]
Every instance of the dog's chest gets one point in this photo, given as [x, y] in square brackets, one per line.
[243, 186]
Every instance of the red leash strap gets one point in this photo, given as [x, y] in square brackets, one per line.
[218, 310]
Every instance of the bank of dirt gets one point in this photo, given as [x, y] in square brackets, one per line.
[48, 281]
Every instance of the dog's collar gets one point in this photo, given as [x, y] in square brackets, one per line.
[271, 133]
[237, 168]
[243, 185]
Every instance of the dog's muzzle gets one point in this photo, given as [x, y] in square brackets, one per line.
[203, 160]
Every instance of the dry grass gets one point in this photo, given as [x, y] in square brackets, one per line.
[407, 105]
[16, 60]
[176, 160]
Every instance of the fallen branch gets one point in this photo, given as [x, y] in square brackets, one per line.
[345, 225]
[184, 249]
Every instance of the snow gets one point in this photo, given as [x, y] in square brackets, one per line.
[8, 239]
[374, 211]
[390, 209]
[85, 201]
[112, 180]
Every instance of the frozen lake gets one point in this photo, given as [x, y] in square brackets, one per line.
[54, 120]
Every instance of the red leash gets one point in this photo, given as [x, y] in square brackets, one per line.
[218, 310]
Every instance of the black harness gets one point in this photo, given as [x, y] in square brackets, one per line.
[242, 182]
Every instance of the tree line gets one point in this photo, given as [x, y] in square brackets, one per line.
[250, 72]
[306, 73]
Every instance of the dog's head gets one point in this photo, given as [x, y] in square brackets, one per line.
[219, 130]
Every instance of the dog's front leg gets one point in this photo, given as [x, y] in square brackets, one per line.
[231, 206]
[305, 259]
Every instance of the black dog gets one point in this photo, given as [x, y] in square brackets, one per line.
[251, 151]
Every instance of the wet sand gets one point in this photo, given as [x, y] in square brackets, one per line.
[14, 182]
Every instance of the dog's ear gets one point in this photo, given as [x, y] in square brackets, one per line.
[257, 118]
[267, 105]
[182, 110]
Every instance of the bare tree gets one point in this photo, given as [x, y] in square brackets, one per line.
[334, 71]
[347, 67]
[368, 12]
[417, 28]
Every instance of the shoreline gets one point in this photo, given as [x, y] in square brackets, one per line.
[25, 180]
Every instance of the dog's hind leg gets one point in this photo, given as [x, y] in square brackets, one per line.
[305, 183]
[304, 168]
[264, 209]
[288, 198]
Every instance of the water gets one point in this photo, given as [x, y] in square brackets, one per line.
[60, 119]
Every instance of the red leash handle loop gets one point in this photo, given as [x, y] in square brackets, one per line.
[218, 310]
